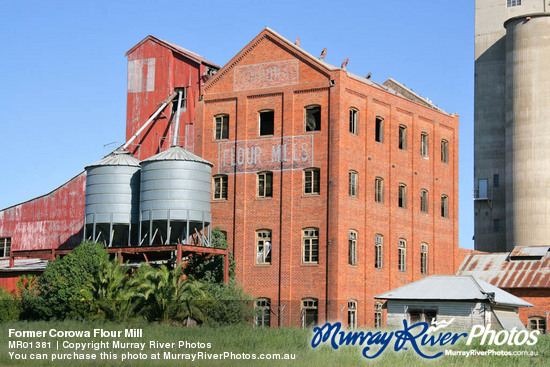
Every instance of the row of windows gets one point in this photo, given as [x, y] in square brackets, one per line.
[312, 187]
[310, 249]
[312, 122]
[310, 313]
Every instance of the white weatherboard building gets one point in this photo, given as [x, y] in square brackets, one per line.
[466, 300]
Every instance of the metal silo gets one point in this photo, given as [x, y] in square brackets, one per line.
[528, 130]
[175, 198]
[112, 199]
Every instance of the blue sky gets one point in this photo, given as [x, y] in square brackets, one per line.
[63, 69]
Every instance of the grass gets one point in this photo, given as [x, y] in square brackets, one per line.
[238, 340]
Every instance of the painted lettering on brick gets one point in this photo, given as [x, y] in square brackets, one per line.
[266, 75]
[269, 154]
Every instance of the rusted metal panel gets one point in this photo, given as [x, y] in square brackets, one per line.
[503, 271]
[529, 251]
[53, 220]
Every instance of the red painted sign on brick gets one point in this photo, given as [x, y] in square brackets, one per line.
[266, 75]
[269, 154]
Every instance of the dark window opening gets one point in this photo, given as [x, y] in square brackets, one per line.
[313, 118]
[379, 130]
[267, 122]
[402, 137]
[222, 127]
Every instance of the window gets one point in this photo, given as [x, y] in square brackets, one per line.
[352, 248]
[309, 312]
[424, 145]
[353, 120]
[5, 246]
[377, 315]
[222, 127]
[417, 315]
[444, 206]
[183, 104]
[265, 184]
[312, 181]
[352, 314]
[378, 190]
[510, 3]
[424, 201]
[402, 255]
[402, 196]
[220, 187]
[402, 137]
[262, 312]
[444, 151]
[482, 186]
[378, 251]
[496, 181]
[537, 323]
[263, 246]
[496, 225]
[310, 238]
[423, 258]
[267, 122]
[379, 129]
[313, 118]
[353, 183]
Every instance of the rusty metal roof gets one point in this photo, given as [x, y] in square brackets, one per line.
[503, 271]
[519, 251]
[454, 287]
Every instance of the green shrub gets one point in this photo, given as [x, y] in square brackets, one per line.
[10, 306]
[228, 305]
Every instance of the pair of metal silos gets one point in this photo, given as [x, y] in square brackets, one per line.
[162, 200]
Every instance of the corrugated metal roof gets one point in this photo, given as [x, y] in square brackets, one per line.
[177, 154]
[499, 270]
[529, 251]
[509, 320]
[117, 158]
[454, 287]
[23, 265]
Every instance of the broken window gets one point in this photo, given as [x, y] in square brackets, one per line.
[263, 246]
[378, 251]
[424, 201]
[444, 206]
[423, 258]
[309, 312]
[312, 181]
[379, 129]
[402, 196]
[444, 151]
[310, 241]
[262, 311]
[402, 137]
[352, 314]
[183, 105]
[267, 122]
[537, 323]
[417, 315]
[5, 246]
[313, 118]
[352, 248]
[353, 183]
[222, 127]
[378, 190]
[220, 187]
[353, 113]
[424, 145]
[265, 184]
[377, 315]
[402, 255]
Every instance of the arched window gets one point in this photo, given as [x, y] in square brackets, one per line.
[537, 323]
[402, 255]
[378, 315]
[312, 118]
[221, 126]
[262, 312]
[352, 247]
[263, 246]
[402, 137]
[353, 119]
[444, 206]
[353, 183]
[310, 245]
[402, 196]
[379, 190]
[424, 201]
[444, 151]
[265, 184]
[379, 129]
[312, 178]
[423, 258]
[352, 314]
[219, 189]
[378, 251]
[424, 145]
[310, 312]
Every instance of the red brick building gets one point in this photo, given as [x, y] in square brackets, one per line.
[332, 188]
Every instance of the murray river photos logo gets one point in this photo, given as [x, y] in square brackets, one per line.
[419, 336]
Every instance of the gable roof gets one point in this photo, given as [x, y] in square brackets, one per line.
[177, 49]
[454, 287]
